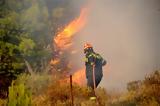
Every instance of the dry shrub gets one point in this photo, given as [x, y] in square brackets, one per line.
[145, 93]
[59, 94]
[3, 102]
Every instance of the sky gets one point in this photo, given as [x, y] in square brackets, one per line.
[127, 34]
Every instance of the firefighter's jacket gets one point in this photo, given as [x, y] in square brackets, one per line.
[94, 61]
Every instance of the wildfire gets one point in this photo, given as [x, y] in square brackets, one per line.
[63, 42]
[64, 39]
[79, 77]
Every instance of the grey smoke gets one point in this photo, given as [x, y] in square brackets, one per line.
[127, 34]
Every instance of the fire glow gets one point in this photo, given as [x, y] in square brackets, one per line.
[64, 39]
[63, 42]
[78, 78]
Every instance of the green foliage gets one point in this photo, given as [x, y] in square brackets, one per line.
[35, 20]
[37, 83]
[19, 95]
[10, 62]
[24, 35]
[9, 39]
[25, 88]
[26, 46]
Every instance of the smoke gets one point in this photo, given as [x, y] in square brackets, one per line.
[126, 33]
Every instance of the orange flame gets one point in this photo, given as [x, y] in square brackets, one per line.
[55, 61]
[64, 39]
[79, 77]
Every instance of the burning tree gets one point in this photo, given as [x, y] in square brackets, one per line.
[63, 44]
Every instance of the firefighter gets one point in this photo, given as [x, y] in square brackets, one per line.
[93, 62]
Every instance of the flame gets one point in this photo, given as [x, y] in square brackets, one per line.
[79, 77]
[63, 42]
[55, 61]
[64, 39]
